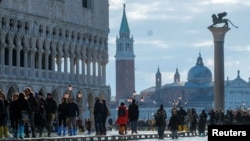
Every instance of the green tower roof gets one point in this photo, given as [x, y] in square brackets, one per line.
[124, 24]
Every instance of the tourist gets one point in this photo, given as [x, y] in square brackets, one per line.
[4, 129]
[122, 119]
[106, 113]
[202, 123]
[161, 124]
[133, 115]
[41, 115]
[72, 114]
[22, 108]
[62, 117]
[33, 103]
[173, 124]
[13, 114]
[51, 108]
[98, 116]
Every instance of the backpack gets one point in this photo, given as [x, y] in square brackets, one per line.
[122, 111]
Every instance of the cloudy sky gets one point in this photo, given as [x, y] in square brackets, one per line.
[169, 34]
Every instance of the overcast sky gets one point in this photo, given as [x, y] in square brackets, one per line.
[169, 34]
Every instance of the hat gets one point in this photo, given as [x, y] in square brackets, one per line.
[161, 106]
[49, 94]
[97, 98]
[27, 89]
[133, 100]
[41, 94]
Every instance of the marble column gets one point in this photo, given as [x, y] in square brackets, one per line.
[219, 35]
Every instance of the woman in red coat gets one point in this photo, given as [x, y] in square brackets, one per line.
[122, 119]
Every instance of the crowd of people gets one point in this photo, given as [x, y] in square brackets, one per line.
[41, 113]
[179, 120]
[29, 112]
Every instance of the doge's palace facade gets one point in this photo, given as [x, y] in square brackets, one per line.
[48, 45]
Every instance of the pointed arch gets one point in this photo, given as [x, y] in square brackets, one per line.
[13, 88]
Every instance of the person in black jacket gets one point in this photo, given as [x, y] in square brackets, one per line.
[5, 116]
[62, 117]
[12, 114]
[72, 114]
[40, 115]
[105, 116]
[30, 96]
[202, 123]
[98, 116]
[22, 106]
[173, 124]
[51, 108]
[4, 130]
[161, 117]
[182, 113]
[133, 115]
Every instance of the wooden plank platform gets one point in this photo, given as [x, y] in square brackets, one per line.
[106, 138]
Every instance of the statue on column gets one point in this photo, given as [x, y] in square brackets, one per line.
[219, 18]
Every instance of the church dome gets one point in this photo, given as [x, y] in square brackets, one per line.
[199, 74]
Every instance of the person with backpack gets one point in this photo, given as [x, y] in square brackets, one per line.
[160, 119]
[122, 119]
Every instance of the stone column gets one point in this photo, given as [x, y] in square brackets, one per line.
[219, 35]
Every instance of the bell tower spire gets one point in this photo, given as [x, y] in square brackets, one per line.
[125, 64]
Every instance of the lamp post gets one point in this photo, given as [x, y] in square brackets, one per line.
[179, 100]
[243, 105]
[129, 100]
[134, 93]
[70, 88]
[186, 103]
[142, 100]
[79, 97]
[175, 103]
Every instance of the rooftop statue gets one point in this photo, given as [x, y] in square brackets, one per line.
[221, 19]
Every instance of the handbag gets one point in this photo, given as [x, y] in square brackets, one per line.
[25, 117]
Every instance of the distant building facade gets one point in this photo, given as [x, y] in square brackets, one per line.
[199, 86]
[49, 45]
[198, 91]
[237, 93]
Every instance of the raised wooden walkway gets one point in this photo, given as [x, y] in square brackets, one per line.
[107, 137]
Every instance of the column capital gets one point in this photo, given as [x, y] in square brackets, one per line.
[219, 32]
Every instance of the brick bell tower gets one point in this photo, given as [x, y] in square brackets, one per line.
[125, 64]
